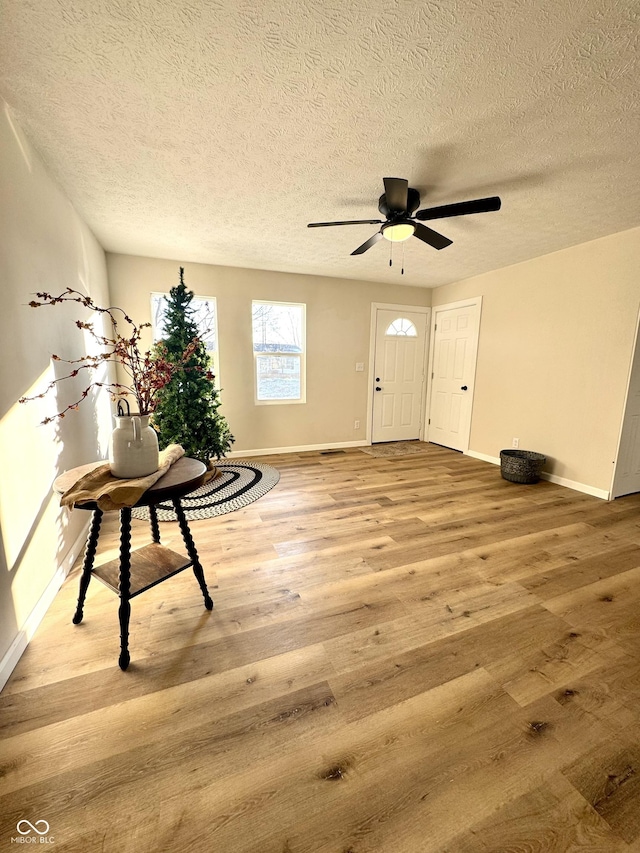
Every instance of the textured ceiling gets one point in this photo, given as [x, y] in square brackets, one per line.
[214, 130]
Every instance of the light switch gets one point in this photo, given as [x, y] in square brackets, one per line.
[359, 366]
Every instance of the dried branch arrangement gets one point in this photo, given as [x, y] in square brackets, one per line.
[148, 371]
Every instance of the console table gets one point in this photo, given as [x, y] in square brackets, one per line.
[137, 571]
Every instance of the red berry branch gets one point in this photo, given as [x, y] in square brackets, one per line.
[148, 372]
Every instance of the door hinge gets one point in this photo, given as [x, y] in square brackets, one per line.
[432, 374]
[435, 327]
[429, 421]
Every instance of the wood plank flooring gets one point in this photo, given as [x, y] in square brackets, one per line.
[406, 654]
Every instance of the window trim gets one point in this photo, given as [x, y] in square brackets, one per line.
[302, 356]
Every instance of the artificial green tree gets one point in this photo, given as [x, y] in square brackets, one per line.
[186, 411]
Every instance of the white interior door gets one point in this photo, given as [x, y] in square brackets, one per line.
[455, 347]
[399, 374]
[627, 472]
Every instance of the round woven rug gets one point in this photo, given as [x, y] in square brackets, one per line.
[236, 485]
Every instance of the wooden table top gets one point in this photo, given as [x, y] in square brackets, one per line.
[183, 476]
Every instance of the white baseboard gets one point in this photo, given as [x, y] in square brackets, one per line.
[26, 632]
[552, 478]
[303, 448]
[483, 457]
[578, 487]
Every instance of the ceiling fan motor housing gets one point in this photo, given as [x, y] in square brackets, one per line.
[413, 203]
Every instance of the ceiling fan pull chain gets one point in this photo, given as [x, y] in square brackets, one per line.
[402, 270]
[390, 254]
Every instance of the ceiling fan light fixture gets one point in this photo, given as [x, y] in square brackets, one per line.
[398, 232]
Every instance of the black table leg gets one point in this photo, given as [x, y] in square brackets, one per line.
[87, 567]
[191, 551]
[153, 519]
[124, 611]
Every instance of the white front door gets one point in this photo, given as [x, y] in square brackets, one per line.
[627, 472]
[455, 346]
[399, 369]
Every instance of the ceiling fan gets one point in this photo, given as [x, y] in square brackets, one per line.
[398, 203]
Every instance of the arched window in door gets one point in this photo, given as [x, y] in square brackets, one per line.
[402, 327]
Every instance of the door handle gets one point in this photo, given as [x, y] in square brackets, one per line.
[378, 388]
[463, 387]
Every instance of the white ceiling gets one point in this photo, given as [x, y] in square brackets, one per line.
[215, 130]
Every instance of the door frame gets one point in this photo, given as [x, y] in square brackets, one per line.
[635, 355]
[392, 306]
[463, 303]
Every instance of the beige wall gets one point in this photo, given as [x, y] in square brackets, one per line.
[338, 326]
[556, 336]
[45, 246]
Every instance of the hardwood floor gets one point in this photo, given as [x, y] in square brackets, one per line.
[405, 655]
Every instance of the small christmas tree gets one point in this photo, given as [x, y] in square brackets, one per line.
[187, 407]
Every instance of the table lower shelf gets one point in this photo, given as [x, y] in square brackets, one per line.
[150, 565]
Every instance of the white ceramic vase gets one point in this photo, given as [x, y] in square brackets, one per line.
[133, 448]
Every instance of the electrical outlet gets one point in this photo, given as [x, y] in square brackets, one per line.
[515, 442]
[356, 424]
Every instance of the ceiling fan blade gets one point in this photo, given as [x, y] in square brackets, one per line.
[370, 242]
[396, 190]
[479, 205]
[349, 222]
[438, 241]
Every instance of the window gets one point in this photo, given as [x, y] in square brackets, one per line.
[278, 351]
[205, 316]
[403, 327]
